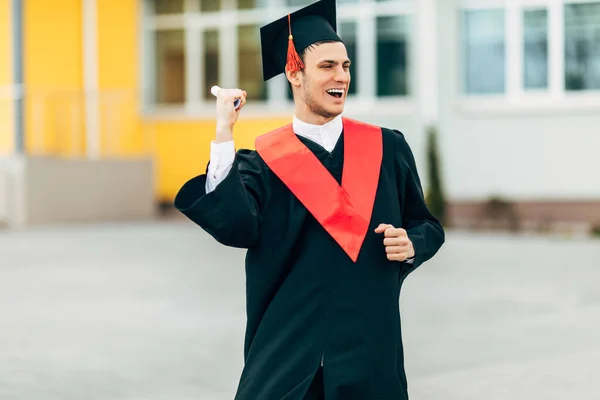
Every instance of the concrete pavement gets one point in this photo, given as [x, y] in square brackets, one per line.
[153, 311]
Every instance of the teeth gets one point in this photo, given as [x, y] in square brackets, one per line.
[340, 91]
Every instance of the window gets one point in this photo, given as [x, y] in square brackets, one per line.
[189, 47]
[170, 67]
[211, 62]
[209, 5]
[392, 56]
[168, 6]
[347, 32]
[251, 4]
[525, 48]
[535, 49]
[298, 3]
[250, 64]
[582, 46]
[484, 51]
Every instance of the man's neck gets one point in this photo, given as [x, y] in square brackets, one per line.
[312, 118]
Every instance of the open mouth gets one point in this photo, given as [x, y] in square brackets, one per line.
[337, 93]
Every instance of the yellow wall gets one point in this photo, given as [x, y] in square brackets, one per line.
[6, 104]
[180, 148]
[183, 148]
[53, 73]
[118, 78]
[56, 106]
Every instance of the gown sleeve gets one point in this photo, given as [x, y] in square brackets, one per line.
[423, 228]
[231, 213]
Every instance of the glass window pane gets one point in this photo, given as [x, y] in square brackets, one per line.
[250, 4]
[347, 32]
[210, 5]
[582, 46]
[535, 49]
[393, 71]
[170, 66]
[211, 62]
[168, 6]
[302, 3]
[484, 51]
[298, 3]
[250, 76]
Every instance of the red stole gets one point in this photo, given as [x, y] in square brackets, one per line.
[344, 211]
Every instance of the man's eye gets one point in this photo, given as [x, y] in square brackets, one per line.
[326, 66]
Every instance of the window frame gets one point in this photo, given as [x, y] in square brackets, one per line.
[555, 96]
[363, 12]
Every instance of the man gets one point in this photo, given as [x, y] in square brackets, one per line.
[331, 211]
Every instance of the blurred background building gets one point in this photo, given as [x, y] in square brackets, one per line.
[105, 108]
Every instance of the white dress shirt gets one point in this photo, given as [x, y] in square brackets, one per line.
[222, 154]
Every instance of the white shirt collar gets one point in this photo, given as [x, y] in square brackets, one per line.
[325, 135]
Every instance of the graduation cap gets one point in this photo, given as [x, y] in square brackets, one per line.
[283, 39]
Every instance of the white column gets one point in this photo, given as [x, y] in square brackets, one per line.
[90, 78]
[556, 41]
[16, 47]
[425, 46]
[146, 47]
[194, 54]
[366, 40]
[193, 66]
[276, 87]
[228, 73]
[514, 52]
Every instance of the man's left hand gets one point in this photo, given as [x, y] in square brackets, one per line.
[397, 244]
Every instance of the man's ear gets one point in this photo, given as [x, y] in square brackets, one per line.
[293, 77]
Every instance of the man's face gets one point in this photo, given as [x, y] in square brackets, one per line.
[325, 79]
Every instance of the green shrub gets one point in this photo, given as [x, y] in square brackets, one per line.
[435, 198]
[502, 211]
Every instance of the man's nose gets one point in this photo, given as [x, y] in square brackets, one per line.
[341, 75]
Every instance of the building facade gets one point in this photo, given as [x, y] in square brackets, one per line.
[519, 95]
[513, 87]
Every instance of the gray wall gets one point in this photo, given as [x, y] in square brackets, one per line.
[39, 191]
[85, 191]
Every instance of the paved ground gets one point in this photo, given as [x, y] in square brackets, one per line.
[156, 311]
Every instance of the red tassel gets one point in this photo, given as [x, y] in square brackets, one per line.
[294, 62]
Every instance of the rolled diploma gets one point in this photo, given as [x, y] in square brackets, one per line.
[215, 91]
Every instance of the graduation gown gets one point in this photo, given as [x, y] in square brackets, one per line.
[307, 302]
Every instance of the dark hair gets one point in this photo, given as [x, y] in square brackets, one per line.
[302, 55]
[312, 46]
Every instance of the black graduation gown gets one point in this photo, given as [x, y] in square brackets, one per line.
[306, 300]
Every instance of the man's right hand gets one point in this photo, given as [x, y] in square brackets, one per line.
[227, 115]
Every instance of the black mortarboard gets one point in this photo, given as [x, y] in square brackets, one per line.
[313, 23]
